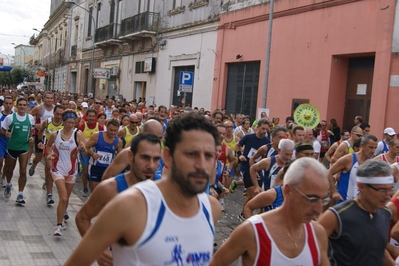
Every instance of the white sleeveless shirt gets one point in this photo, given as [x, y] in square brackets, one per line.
[167, 238]
[269, 254]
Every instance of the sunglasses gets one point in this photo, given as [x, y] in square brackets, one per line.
[98, 103]
[359, 135]
[134, 122]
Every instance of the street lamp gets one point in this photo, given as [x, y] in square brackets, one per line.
[8, 58]
[23, 51]
[71, 2]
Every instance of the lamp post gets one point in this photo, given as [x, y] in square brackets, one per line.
[92, 49]
[8, 58]
[23, 50]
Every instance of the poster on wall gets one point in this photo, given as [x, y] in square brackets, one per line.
[102, 73]
[263, 110]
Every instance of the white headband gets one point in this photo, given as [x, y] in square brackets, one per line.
[375, 180]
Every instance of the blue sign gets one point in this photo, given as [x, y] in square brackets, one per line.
[186, 81]
[5, 68]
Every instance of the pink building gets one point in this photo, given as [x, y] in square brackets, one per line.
[339, 55]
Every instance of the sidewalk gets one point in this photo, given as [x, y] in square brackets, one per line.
[26, 232]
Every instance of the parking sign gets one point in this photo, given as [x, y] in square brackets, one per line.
[186, 81]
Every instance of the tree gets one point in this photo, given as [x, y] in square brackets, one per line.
[5, 79]
[18, 74]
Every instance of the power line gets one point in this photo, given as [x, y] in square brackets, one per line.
[22, 36]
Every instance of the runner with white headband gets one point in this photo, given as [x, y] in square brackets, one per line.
[358, 229]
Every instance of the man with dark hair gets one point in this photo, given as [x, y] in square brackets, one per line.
[3, 140]
[143, 157]
[106, 145]
[358, 120]
[90, 127]
[217, 117]
[17, 128]
[348, 165]
[365, 127]
[172, 206]
[251, 144]
[119, 164]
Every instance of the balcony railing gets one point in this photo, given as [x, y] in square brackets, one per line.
[147, 21]
[74, 50]
[106, 33]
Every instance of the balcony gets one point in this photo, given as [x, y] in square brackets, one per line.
[33, 40]
[106, 35]
[74, 50]
[140, 25]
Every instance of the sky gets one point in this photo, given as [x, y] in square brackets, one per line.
[17, 20]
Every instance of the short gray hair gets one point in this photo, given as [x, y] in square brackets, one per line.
[367, 138]
[373, 168]
[296, 173]
[286, 144]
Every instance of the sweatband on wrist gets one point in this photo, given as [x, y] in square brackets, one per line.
[375, 180]
[239, 153]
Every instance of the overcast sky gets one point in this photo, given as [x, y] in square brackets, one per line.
[17, 18]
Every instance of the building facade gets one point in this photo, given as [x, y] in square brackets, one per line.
[340, 55]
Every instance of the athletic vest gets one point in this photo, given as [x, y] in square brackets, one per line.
[87, 132]
[270, 151]
[3, 139]
[347, 185]
[66, 155]
[350, 149]
[129, 136]
[269, 254]
[108, 112]
[271, 173]
[231, 144]
[121, 183]
[44, 115]
[385, 148]
[385, 159]
[20, 133]
[278, 201]
[359, 240]
[105, 150]
[52, 128]
[168, 239]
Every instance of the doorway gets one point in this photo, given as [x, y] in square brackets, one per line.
[358, 90]
[242, 88]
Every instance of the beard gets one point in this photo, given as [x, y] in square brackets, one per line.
[187, 186]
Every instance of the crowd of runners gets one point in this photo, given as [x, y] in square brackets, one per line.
[313, 196]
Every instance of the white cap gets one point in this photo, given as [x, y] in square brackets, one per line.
[85, 105]
[389, 131]
[2, 97]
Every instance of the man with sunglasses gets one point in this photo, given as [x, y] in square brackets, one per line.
[348, 166]
[127, 133]
[347, 146]
[358, 229]
[286, 235]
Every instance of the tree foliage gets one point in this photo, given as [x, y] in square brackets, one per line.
[18, 74]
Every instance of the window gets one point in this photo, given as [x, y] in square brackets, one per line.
[139, 67]
[112, 12]
[176, 4]
[98, 14]
[90, 21]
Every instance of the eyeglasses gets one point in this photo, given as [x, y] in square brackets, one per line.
[314, 200]
[359, 135]
[381, 190]
[134, 122]
[229, 126]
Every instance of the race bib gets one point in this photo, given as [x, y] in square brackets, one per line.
[105, 157]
